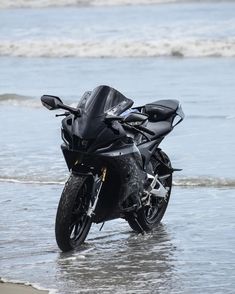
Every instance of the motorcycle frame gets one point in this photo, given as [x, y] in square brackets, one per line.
[127, 165]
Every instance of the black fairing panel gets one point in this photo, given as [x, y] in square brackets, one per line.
[104, 99]
[94, 106]
[125, 177]
[124, 184]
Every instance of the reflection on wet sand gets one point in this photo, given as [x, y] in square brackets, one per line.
[128, 264]
[193, 252]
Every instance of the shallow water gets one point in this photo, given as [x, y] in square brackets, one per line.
[201, 145]
[192, 251]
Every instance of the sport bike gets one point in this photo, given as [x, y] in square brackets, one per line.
[117, 169]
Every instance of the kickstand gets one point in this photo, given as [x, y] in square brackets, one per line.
[102, 226]
[140, 228]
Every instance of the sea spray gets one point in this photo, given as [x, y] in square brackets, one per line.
[55, 47]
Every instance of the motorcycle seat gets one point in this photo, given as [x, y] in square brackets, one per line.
[161, 110]
[160, 128]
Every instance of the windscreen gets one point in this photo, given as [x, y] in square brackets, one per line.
[104, 100]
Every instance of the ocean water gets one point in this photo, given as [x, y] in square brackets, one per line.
[149, 50]
[188, 29]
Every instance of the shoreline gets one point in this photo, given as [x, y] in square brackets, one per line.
[19, 288]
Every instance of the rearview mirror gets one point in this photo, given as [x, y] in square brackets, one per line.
[51, 102]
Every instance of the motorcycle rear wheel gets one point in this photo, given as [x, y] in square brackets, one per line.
[148, 217]
[72, 223]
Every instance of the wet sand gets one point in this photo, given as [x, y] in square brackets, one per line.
[11, 288]
[192, 251]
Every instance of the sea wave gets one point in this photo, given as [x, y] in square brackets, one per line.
[28, 101]
[205, 182]
[180, 182]
[208, 116]
[19, 100]
[118, 48]
[78, 3]
[32, 181]
[34, 102]
[33, 285]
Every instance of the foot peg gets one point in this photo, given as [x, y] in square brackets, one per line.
[158, 191]
[176, 169]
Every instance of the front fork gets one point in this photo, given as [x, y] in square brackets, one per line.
[97, 185]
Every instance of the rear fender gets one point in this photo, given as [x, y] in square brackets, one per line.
[179, 117]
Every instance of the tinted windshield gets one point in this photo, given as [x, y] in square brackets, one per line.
[104, 99]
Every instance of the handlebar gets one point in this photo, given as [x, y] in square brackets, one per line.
[63, 114]
[143, 129]
[139, 128]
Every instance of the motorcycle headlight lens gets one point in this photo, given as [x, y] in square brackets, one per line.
[65, 137]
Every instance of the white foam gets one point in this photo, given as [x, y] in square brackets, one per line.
[20, 180]
[25, 101]
[204, 182]
[64, 3]
[19, 100]
[34, 285]
[182, 182]
[126, 48]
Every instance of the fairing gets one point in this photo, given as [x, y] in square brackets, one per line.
[102, 100]
[90, 126]
[125, 177]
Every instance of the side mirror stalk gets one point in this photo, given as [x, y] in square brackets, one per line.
[53, 102]
[75, 111]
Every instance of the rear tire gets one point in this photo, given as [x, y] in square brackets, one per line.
[72, 223]
[148, 217]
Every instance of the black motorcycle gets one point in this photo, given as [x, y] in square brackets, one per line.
[116, 168]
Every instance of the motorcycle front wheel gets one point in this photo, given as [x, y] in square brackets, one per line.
[148, 217]
[72, 223]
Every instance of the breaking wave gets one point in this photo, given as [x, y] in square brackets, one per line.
[107, 48]
[180, 182]
[77, 3]
[32, 181]
[33, 285]
[19, 100]
[205, 182]
[29, 101]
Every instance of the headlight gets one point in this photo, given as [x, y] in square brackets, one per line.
[65, 137]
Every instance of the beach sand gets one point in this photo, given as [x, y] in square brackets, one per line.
[11, 288]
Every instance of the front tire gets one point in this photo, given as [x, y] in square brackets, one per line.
[147, 217]
[72, 223]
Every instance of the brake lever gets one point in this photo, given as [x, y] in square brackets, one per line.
[63, 114]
